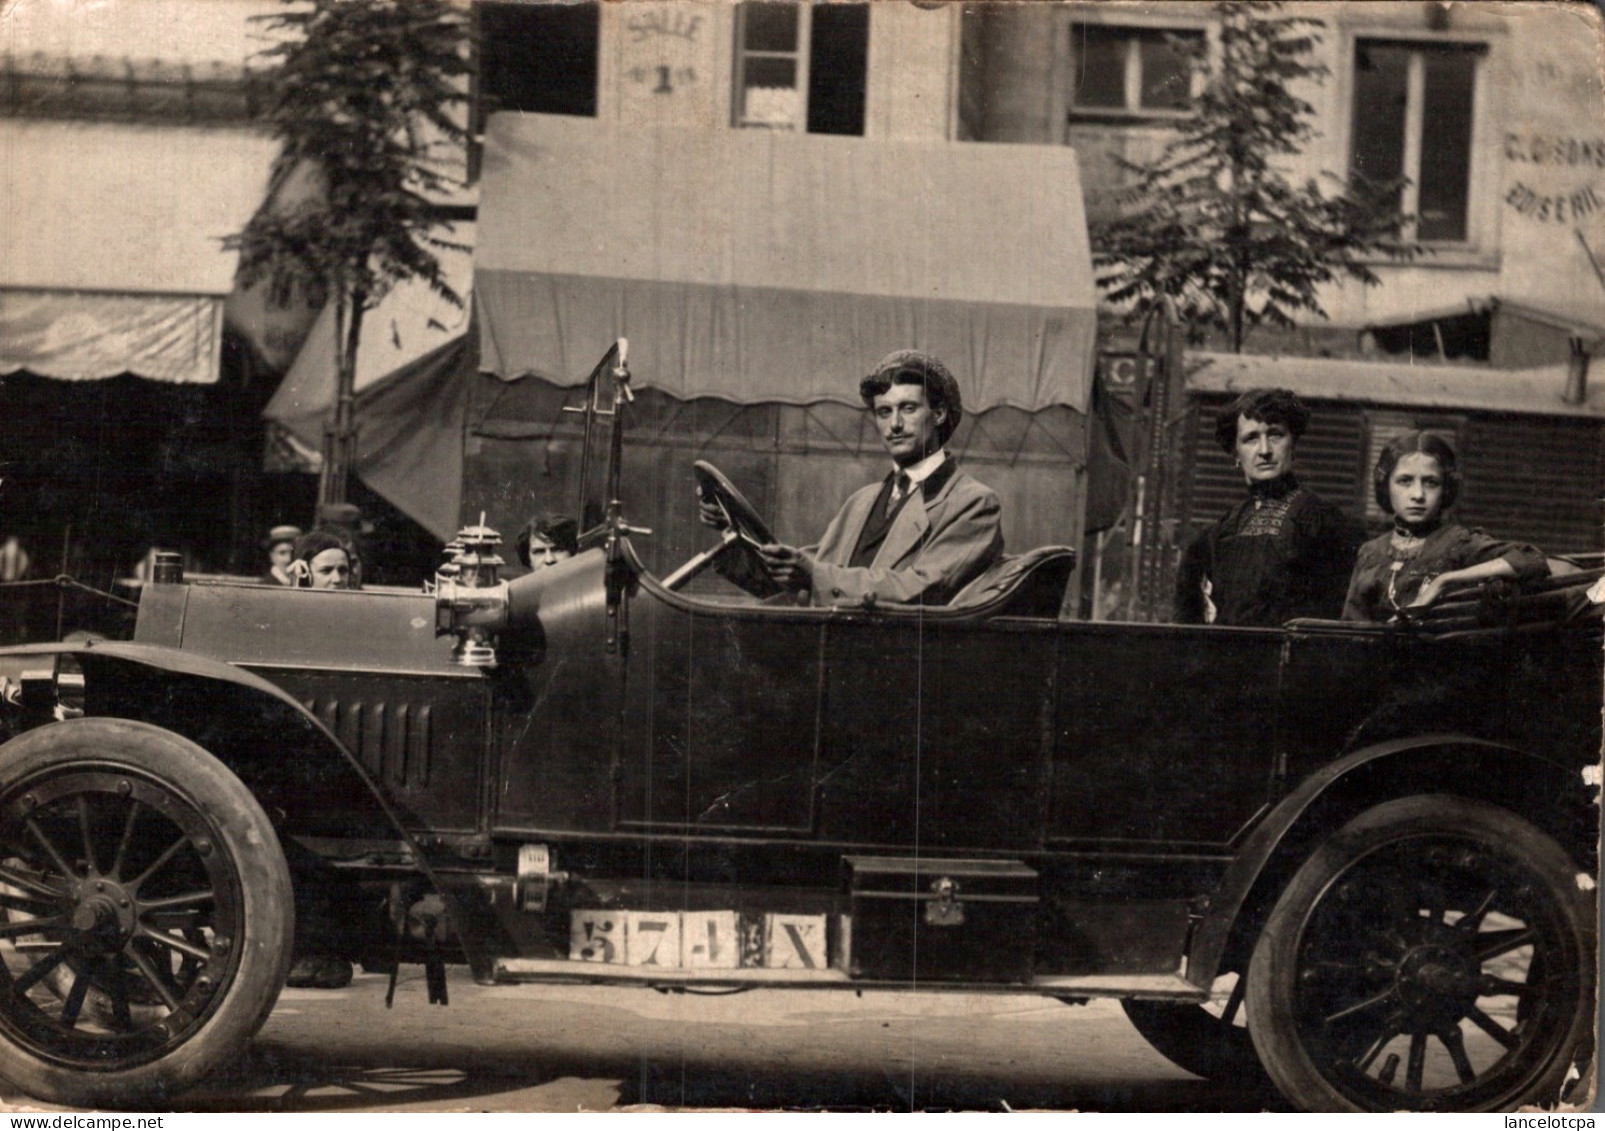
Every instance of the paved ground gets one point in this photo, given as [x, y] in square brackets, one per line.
[527, 1048]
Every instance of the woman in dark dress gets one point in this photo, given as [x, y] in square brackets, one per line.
[1416, 480]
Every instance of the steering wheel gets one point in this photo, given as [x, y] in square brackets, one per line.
[715, 488]
[738, 550]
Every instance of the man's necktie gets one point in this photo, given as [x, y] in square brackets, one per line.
[900, 487]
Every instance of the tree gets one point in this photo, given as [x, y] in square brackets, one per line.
[1214, 222]
[371, 95]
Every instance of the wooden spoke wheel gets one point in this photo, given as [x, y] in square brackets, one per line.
[148, 912]
[1435, 954]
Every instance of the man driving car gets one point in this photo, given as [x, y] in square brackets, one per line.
[918, 536]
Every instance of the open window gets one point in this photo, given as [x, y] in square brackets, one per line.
[537, 58]
[801, 66]
[1413, 118]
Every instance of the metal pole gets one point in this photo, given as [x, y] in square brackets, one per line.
[1576, 374]
[591, 413]
[1097, 575]
[61, 590]
[1175, 459]
[1160, 461]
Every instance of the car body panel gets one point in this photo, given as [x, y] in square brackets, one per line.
[671, 747]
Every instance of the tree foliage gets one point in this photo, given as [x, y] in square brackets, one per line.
[1214, 221]
[369, 92]
[371, 96]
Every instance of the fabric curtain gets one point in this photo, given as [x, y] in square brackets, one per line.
[78, 336]
[764, 266]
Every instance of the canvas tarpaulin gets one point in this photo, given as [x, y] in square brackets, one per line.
[111, 246]
[761, 266]
[409, 434]
[86, 337]
[1538, 390]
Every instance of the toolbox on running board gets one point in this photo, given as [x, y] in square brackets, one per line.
[939, 919]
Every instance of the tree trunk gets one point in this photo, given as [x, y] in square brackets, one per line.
[340, 441]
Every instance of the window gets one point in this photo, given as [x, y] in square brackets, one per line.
[1399, 89]
[1126, 71]
[801, 66]
[538, 58]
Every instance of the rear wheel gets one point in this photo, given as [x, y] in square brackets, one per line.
[1435, 954]
[149, 913]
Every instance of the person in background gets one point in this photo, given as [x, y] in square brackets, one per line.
[345, 521]
[547, 540]
[14, 566]
[1417, 479]
[1283, 552]
[281, 552]
[321, 561]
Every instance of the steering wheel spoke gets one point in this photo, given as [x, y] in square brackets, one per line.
[744, 529]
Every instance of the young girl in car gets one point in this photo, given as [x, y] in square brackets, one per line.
[1416, 480]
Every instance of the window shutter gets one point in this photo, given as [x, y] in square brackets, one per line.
[1535, 479]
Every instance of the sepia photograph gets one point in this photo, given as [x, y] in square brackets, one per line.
[801, 555]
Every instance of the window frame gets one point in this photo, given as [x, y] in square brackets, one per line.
[1133, 29]
[800, 55]
[1415, 122]
[1479, 250]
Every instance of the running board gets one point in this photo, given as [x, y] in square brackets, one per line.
[1154, 987]
[1163, 987]
[606, 973]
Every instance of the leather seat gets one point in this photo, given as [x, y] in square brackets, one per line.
[1021, 585]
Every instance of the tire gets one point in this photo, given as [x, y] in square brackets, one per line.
[1444, 935]
[149, 913]
[1211, 1040]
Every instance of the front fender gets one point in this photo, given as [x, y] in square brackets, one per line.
[309, 783]
[294, 765]
[1551, 796]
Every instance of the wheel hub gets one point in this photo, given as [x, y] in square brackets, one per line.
[1438, 984]
[104, 917]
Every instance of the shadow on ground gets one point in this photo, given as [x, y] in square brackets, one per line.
[272, 1078]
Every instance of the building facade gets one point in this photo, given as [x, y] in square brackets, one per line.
[765, 198]
[1491, 114]
[128, 151]
[1494, 118]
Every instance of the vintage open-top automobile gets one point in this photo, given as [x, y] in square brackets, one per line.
[1358, 859]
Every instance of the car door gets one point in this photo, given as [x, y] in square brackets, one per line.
[1166, 734]
[720, 719]
[934, 732]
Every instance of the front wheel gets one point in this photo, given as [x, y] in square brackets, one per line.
[148, 913]
[1435, 954]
